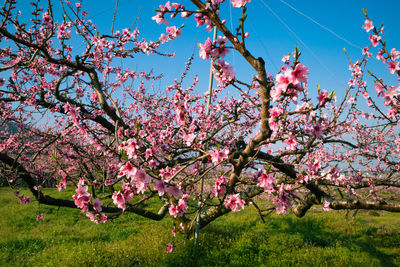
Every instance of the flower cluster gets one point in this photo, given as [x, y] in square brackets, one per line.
[289, 82]
[180, 208]
[219, 188]
[82, 197]
[234, 202]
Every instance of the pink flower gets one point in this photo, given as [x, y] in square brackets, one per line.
[392, 92]
[325, 206]
[189, 138]
[276, 93]
[218, 156]
[322, 97]
[119, 200]
[182, 205]
[97, 205]
[163, 38]
[46, 19]
[179, 209]
[180, 117]
[378, 89]
[299, 74]
[221, 50]
[365, 52]
[103, 218]
[223, 72]
[37, 188]
[174, 191]
[160, 187]
[141, 176]
[174, 32]
[205, 49]
[39, 217]
[282, 81]
[173, 211]
[169, 248]
[159, 18]
[318, 129]
[25, 200]
[63, 183]
[239, 3]
[153, 163]
[380, 56]
[275, 111]
[108, 182]
[128, 170]
[285, 58]
[173, 232]
[234, 202]
[219, 188]
[374, 39]
[394, 54]
[82, 197]
[368, 25]
[291, 143]
[267, 182]
[393, 67]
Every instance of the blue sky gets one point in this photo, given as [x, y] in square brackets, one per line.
[269, 39]
[321, 50]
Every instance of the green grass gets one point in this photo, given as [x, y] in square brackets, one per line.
[67, 238]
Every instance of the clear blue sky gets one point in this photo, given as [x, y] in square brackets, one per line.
[268, 38]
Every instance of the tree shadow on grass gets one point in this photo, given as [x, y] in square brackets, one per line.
[246, 242]
[316, 232]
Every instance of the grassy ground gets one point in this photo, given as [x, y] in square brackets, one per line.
[64, 237]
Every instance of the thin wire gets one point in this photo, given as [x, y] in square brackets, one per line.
[319, 24]
[263, 46]
[292, 33]
[233, 51]
[106, 10]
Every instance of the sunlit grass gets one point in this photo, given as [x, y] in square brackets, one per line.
[65, 237]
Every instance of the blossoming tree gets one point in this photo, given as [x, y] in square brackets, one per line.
[70, 118]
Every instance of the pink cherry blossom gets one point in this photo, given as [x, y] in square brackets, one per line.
[393, 67]
[25, 200]
[169, 248]
[394, 54]
[374, 39]
[234, 202]
[239, 3]
[223, 72]
[174, 32]
[119, 200]
[97, 205]
[219, 188]
[174, 191]
[39, 217]
[267, 182]
[325, 206]
[219, 155]
[282, 80]
[318, 130]
[368, 25]
[299, 74]
[179, 209]
[276, 111]
[82, 197]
